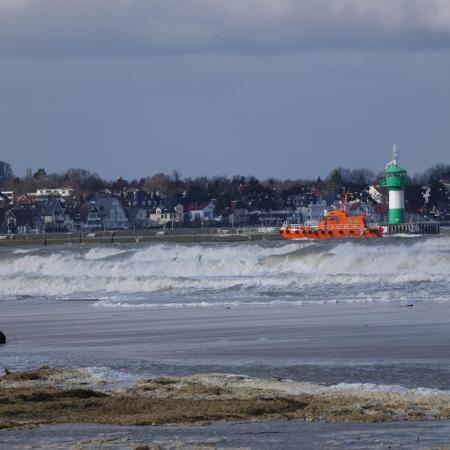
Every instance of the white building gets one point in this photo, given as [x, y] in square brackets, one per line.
[10, 195]
[55, 192]
[201, 211]
[160, 216]
[314, 211]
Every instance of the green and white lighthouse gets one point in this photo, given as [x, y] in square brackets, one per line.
[395, 181]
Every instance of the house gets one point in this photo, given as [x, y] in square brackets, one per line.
[375, 194]
[162, 216]
[275, 218]
[51, 192]
[2, 216]
[179, 213]
[22, 219]
[239, 214]
[87, 217]
[9, 196]
[4, 201]
[140, 199]
[314, 211]
[54, 214]
[299, 200]
[201, 211]
[111, 211]
[358, 208]
[24, 200]
[138, 217]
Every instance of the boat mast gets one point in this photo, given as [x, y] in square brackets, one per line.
[345, 201]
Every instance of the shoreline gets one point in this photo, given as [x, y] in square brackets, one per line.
[333, 343]
[286, 435]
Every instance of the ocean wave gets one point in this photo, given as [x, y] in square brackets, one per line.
[103, 252]
[22, 251]
[340, 271]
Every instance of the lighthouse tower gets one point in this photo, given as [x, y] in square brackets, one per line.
[395, 181]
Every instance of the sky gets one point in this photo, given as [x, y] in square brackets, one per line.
[270, 88]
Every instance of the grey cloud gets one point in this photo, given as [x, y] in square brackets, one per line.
[142, 27]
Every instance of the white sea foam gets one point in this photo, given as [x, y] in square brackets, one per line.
[297, 272]
[402, 235]
[385, 388]
[103, 252]
[371, 388]
[99, 375]
[297, 387]
[22, 251]
[136, 304]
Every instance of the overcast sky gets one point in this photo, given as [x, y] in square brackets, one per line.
[282, 88]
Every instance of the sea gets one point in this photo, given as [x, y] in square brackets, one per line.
[373, 314]
[392, 269]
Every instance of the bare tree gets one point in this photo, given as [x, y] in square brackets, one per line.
[5, 172]
[158, 182]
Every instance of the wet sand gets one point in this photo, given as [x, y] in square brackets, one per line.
[368, 343]
[156, 352]
[285, 435]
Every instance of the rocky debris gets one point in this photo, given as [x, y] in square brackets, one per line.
[49, 376]
[30, 398]
[41, 374]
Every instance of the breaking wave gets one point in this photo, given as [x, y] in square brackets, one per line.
[394, 269]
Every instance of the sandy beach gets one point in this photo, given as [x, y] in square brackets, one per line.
[192, 342]
[376, 343]
[155, 356]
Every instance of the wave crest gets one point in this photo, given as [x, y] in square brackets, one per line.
[299, 271]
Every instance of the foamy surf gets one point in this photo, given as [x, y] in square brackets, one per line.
[98, 377]
[296, 387]
[174, 274]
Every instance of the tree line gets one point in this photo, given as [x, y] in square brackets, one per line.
[197, 189]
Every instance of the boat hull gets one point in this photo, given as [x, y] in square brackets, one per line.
[307, 233]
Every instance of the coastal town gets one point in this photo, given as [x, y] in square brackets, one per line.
[80, 201]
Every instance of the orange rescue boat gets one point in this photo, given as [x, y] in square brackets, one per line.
[337, 224]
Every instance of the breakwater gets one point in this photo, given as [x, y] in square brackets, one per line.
[412, 228]
[184, 235]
